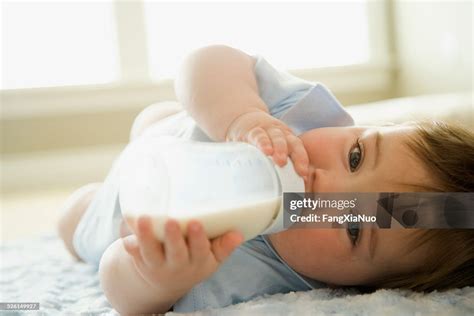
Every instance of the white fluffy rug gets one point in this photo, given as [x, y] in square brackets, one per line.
[40, 270]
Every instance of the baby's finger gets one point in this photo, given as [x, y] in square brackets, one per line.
[130, 243]
[198, 243]
[175, 246]
[223, 246]
[259, 137]
[150, 247]
[280, 147]
[124, 229]
[298, 154]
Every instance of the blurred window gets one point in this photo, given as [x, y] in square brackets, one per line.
[57, 43]
[61, 43]
[290, 35]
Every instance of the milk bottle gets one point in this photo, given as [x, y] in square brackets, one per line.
[225, 186]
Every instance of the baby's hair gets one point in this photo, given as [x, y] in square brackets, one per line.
[447, 151]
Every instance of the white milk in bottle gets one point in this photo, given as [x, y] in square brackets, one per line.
[225, 186]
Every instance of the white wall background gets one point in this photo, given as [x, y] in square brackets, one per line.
[433, 41]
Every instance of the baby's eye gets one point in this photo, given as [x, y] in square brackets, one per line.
[355, 156]
[353, 231]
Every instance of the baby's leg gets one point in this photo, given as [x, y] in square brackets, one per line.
[71, 213]
[78, 202]
[151, 115]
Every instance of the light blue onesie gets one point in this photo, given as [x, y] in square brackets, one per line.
[254, 268]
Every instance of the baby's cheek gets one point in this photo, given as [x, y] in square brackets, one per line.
[329, 181]
[318, 253]
[324, 255]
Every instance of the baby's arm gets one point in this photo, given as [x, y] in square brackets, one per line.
[217, 84]
[142, 275]
[218, 87]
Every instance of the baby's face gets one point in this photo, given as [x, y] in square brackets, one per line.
[377, 166]
[337, 164]
[328, 255]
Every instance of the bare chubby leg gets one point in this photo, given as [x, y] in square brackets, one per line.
[151, 115]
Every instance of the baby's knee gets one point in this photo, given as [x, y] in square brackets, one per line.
[151, 115]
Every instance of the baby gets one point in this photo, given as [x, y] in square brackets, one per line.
[231, 96]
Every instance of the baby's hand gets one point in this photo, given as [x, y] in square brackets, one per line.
[177, 264]
[272, 137]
